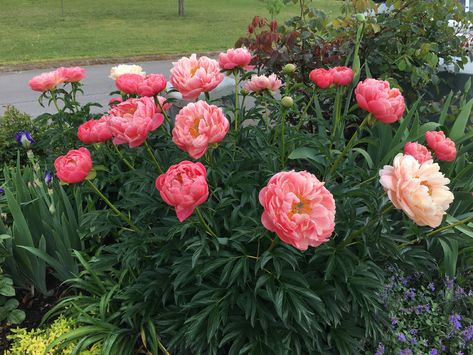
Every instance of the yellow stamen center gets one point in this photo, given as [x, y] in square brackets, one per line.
[428, 186]
[194, 130]
[301, 207]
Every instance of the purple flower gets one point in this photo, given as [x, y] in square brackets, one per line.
[427, 307]
[419, 308]
[455, 321]
[414, 341]
[405, 352]
[468, 333]
[380, 349]
[433, 352]
[449, 282]
[401, 337]
[410, 293]
[24, 138]
[413, 331]
[459, 292]
[404, 281]
[394, 322]
[48, 178]
[2, 190]
[431, 286]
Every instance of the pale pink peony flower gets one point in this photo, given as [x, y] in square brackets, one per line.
[198, 125]
[121, 69]
[129, 83]
[152, 85]
[418, 151]
[192, 76]
[73, 167]
[443, 147]
[71, 74]
[342, 76]
[420, 190]
[323, 78]
[131, 121]
[260, 83]
[298, 208]
[376, 97]
[235, 58]
[184, 186]
[95, 131]
[45, 81]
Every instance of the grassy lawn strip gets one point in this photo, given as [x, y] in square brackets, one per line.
[34, 31]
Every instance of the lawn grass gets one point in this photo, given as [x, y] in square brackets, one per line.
[34, 30]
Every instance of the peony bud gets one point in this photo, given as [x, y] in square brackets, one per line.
[289, 68]
[287, 101]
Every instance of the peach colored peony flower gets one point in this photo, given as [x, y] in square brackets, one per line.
[152, 85]
[95, 131]
[45, 81]
[418, 151]
[131, 121]
[443, 147]
[298, 208]
[192, 76]
[71, 74]
[73, 167]
[184, 186]
[323, 78]
[260, 83]
[420, 190]
[235, 58]
[376, 97]
[342, 76]
[121, 69]
[129, 83]
[198, 125]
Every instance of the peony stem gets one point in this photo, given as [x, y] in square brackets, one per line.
[112, 206]
[273, 244]
[158, 103]
[338, 112]
[237, 99]
[283, 138]
[204, 224]
[125, 160]
[207, 96]
[153, 158]
[304, 113]
[53, 96]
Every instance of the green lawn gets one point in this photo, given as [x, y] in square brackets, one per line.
[33, 30]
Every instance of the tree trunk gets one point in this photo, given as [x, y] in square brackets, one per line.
[181, 7]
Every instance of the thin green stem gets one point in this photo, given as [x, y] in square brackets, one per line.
[53, 96]
[207, 96]
[273, 244]
[158, 103]
[163, 349]
[237, 99]
[338, 111]
[125, 160]
[304, 113]
[283, 138]
[112, 206]
[153, 158]
[204, 224]
[266, 114]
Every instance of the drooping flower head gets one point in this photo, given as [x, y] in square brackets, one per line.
[376, 97]
[298, 208]
[260, 83]
[443, 147]
[121, 69]
[95, 131]
[420, 190]
[184, 186]
[342, 76]
[24, 138]
[193, 76]
[418, 151]
[152, 85]
[73, 167]
[46, 81]
[235, 58]
[71, 74]
[198, 125]
[129, 83]
[323, 78]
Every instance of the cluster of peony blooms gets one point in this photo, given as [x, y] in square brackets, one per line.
[324, 78]
[49, 81]
[443, 148]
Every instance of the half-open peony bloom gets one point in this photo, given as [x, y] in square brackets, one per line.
[152, 85]
[420, 190]
[323, 78]
[131, 121]
[342, 76]
[192, 76]
[184, 186]
[45, 81]
[260, 83]
[71, 74]
[376, 97]
[129, 83]
[95, 131]
[298, 208]
[198, 125]
[73, 167]
[418, 151]
[235, 58]
[443, 147]
[121, 69]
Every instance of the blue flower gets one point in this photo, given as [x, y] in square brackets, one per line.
[410, 293]
[24, 138]
[431, 286]
[433, 352]
[401, 337]
[394, 322]
[380, 349]
[449, 282]
[455, 321]
[414, 341]
[48, 178]
[468, 333]
[2, 190]
[405, 352]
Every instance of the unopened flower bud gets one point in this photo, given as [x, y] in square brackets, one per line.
[360, 17]
[287, 101]
[24, 139]
[289, 68]
[244, 92]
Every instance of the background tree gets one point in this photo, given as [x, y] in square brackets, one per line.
[181, 7]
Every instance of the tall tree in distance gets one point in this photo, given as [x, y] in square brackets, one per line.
[181, 7]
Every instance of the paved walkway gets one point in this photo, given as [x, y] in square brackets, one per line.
[14, 89]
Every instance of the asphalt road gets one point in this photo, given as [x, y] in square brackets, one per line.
[14, 89]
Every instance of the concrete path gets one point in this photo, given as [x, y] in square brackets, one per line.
[14, 87]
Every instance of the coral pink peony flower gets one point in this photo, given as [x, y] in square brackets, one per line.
[184, 186]
[121, 69]
[342, 75]
[376, 97]
[259, 83]
[418, 151]
[95, 131]
[323, 78]
[129, 83]
[192, 76]
[298, 208]
[198, 125]
[73, 167]
[132, 120]
[443, 147]
[45, 81]
[71, 74]
[420, 190]
[114, 101]
[235, 58]
[152, 85]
